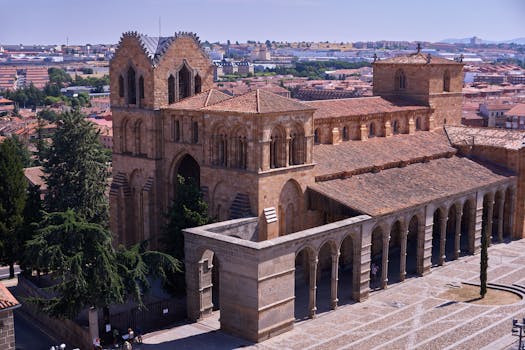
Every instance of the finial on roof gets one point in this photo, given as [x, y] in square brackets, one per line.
[428, 57]
[418, 47]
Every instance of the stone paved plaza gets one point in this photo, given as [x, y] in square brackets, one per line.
[408, 315]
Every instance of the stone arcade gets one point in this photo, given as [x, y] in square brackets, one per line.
[308, 195]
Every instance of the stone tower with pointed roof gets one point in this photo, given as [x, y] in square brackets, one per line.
[431, 81]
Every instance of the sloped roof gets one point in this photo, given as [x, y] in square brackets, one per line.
[155, 47]
[417, 58]
[395, 189]
[360, 106]
[518, 110]
[259, 101]
[504, 138]
[203, 99]
[7, 300]
[350, 156]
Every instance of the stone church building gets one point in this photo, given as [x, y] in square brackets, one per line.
[308, 196]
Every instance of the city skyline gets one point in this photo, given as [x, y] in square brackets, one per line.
[73, 22]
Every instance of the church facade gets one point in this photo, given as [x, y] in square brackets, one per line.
[309, 195]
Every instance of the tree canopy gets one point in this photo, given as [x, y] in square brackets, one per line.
[12, 201]
[76, 169]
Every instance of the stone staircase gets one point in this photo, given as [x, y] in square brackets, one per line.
[240, 207]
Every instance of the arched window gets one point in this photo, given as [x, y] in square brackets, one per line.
[222, 144]
[446, 81]
[141, 87]
[345, 134]
[139, 139]
[400, 80]
[121, 86]
[132, 90]
[277, 151]
[195, 132]
[171, 89]
[418, 123]
[395, 127]
[242, 152]
[371, 129]
[184, 82]
[316, 136]
[296, 147]
[176, 130]
[198, 84]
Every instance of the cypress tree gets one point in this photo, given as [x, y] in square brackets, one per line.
[12, 202]
[484, 264]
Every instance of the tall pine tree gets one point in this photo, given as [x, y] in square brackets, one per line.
[76, 169]
[12, 202]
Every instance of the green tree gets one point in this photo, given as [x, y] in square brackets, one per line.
[12, 202]
[58, 77]
[32, 216]
[87, 271]
[42, 146]
[76, 169]
[189, 209]
[22, 151]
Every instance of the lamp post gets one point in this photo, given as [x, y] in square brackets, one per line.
[517, 330]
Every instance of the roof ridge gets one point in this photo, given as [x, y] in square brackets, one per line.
[208, 98]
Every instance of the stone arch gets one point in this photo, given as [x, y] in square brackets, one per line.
[418, 123]
[395, 242]
[171, 89]
[297, 145]
[439, 215]
[376, 254]
[198, 84]
[325, 274]
[290, 207]
[305, 258]
[131, 86]
[413, 251]
[400, 80]
[278, 147]
[452, 235]
[239, 148]
[139, 133]
[372, 129]
[184, 76]
[396, 128]
[210, 282]
[220, 147]
[317, 136]
[348, 269]
[468, 218]
[183, 163]
[126, 139]
[141, 87]
[137, 180]
[121, 86]
[508, 212]
[345, 133]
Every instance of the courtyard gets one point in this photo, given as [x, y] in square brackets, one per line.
[416, 314]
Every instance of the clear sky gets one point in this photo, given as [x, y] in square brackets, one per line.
[103, 21]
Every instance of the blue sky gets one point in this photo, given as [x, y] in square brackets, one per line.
[96, 21]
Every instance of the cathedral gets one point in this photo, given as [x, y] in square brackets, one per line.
[308, 196]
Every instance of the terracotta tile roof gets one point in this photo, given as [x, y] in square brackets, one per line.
[349, 156]
[360, 106]
[259, 101]
[34, 176]
[204, 99]
[504, 138]
[7, 300]
[518, 110]
[417, 58]
[5, 100]
[498, 106]
[395, 189]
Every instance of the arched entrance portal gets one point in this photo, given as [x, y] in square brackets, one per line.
[189, 169]
[303, 266]
[412, 246]
[394, 253]
[346, 273]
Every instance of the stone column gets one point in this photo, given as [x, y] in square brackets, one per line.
[411, 125]
[490, 213]
[364, 132]
[475, 227]
[287, 151]
[335, 280]
[424, 245]
[457, 236]
[501, 208]
[384, 268]
[442, 239]
[512, 214]
[312, 304]
[403, 254]
[388, 128]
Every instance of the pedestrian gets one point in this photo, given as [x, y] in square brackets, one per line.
[375, 271]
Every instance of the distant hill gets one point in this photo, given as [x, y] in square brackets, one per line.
[520, 41]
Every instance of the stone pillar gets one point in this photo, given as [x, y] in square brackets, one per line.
[403, 254]
[431, 122]
[490, 213]
[308, 149]
[475, 227]
[384, 263]
[335, 280]
[501, 212]
[93, 323]
[513, 215]
[364, 132]
[411, 125]
[424, 244]
[442, 239]
[265, 155]
[388, 128]
[287, 151]
[457, 236]
[335, 136]
[312, 304]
